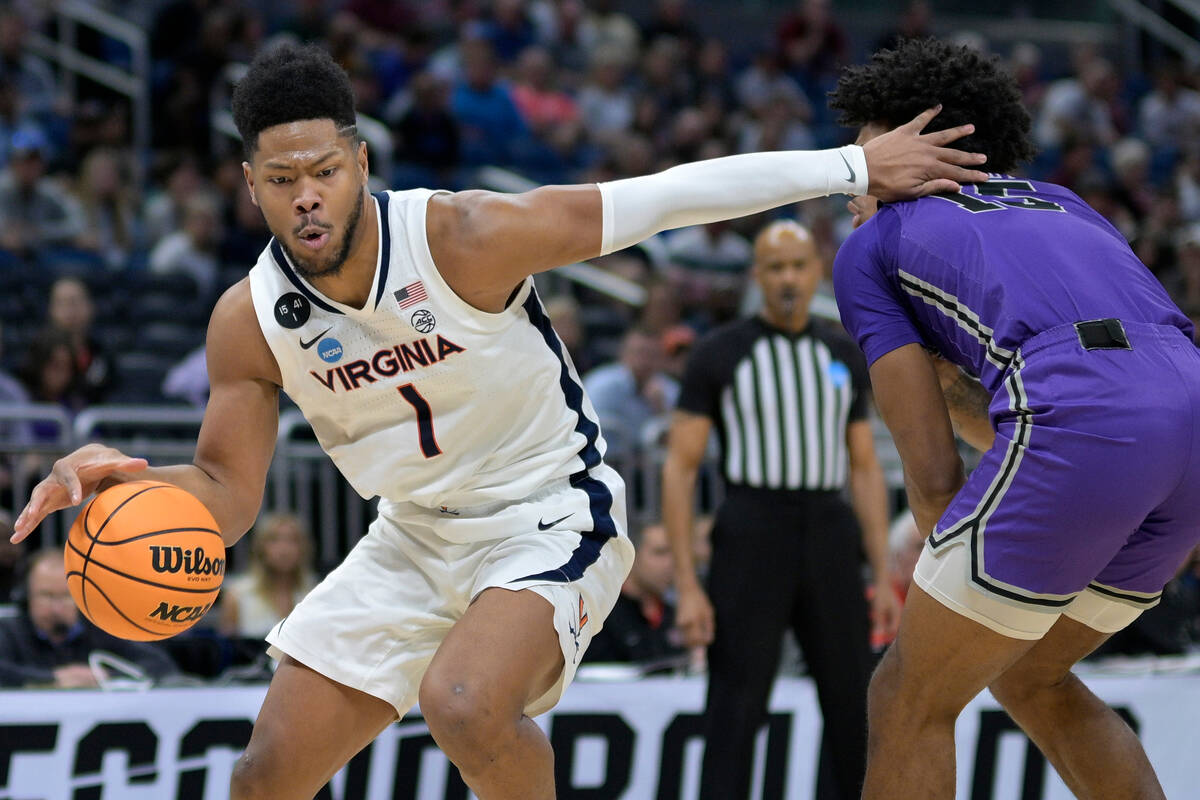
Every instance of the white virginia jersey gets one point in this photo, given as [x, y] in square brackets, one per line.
[418, 397]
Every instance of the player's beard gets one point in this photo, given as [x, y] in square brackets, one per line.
[334, 264]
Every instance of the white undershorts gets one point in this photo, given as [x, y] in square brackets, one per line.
[946, 576]
[376, 621]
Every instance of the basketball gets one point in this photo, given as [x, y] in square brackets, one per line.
[144, 560]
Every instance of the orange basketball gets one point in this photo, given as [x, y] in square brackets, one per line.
[144, 560]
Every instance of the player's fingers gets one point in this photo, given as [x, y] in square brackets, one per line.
[939, 186]
[948, 155]
[918, 123]
[42, 501]
[66, 475]
[948, 135]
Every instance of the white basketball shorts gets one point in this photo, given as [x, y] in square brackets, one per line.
[376, 621]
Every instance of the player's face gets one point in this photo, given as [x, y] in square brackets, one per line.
[309, 180]
[864, 206]
[788, 270]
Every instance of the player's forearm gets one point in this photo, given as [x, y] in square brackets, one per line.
[233, 510]
[868, 491]
[967, 401]
[678, 497]
[724, 188]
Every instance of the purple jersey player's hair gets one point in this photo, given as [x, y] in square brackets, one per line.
[898, 84]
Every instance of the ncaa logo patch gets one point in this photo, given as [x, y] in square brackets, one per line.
[292, 310]
[838, 373]
[330, 350]
[423, 320]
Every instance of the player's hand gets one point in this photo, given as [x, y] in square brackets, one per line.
[75, 676]
[694, 615]
[74, 477]
[885, 612]
[905, 163]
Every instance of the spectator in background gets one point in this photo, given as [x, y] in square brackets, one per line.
[812, 44]
[51, 376]
[188, 380]
[106, 198]
[605, 103]
[1169, 116]
[491, 128]
[915, 22]
[12, 393]
[32, 78]
[716, 247]
[35, 212]
[631, 393]
[280, 575]
[1082, 106]
[1130, 160]
[563, 311]
[671, 20]
[1187, 183]
[1189, 266]
[427, 137]
[48, 643]
[71, 311]
[163, 213]
[641, 627]
[605, 28]
[10, 559]
[550, 113]
[508, 29]
[192, 250]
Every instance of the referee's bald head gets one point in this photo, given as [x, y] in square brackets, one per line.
[780, 233]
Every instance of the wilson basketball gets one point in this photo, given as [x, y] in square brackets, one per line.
[144, 560]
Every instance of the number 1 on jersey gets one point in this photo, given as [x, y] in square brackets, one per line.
[429, 445]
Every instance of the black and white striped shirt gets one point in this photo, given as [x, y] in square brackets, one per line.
[781, 401]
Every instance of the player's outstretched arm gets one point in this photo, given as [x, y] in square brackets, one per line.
[485, 243]
[237, 437]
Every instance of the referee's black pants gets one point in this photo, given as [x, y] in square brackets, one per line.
[780, 559]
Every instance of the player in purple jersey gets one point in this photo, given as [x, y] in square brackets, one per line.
[1087, 408]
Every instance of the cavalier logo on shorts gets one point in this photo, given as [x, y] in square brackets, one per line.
[423, 320]
[330, 350]
[292, 310]
[576, 630]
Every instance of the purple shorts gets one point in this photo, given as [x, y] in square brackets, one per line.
[1094, 478]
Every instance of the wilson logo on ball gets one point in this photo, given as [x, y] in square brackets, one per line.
[168, 612]
[173, 559]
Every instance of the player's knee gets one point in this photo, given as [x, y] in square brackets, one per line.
[250, 780]
[1020, 687]
[897, 690]
[462, 718]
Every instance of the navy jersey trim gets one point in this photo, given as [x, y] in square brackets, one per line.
[385, 255]
[286, 268]
[599, 497]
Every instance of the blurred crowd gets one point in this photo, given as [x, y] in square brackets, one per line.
[111, 257]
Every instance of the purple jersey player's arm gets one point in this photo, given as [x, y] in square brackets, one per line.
[237, 438]
[485, 243]
[910, 401]
[967, 401]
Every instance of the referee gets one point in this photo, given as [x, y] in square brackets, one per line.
[788, 395]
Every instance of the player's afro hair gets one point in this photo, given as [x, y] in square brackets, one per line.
[287, 83]
[896, 85]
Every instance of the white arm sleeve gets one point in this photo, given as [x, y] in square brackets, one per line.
[723, 188]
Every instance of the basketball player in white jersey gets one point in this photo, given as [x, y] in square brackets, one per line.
[406, 327]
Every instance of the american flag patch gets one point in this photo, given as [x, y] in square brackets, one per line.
[410, 295]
